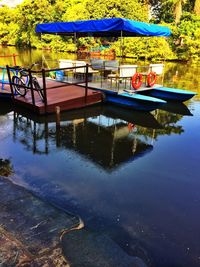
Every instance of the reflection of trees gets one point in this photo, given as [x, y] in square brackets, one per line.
[6, 168]
[167, 120]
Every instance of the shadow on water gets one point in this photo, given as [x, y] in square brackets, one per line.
[5, 107]
[177, 108]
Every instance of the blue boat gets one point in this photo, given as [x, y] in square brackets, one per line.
[168, 94]
[120, 27]
[134, 101]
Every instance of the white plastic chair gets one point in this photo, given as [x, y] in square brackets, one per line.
[127, 71]
[66, 63]
[157, 68]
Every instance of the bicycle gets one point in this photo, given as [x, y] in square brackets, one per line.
[22, 82]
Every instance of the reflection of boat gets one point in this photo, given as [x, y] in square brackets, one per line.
[178, 108]
[141, 118]
[144, 119]
[65, 115]
[105, 140]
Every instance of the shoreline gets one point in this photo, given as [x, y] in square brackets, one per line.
[35, 233]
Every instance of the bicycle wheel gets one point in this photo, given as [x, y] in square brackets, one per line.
[19, 85]
[40, 91]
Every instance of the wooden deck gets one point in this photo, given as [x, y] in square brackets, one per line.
[5, 92]
[67, 97]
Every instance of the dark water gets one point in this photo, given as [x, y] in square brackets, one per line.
[130, 175]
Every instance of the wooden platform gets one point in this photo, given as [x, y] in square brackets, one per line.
[5, 92]
[67, 97]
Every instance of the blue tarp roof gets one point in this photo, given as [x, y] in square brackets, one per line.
[104, 27]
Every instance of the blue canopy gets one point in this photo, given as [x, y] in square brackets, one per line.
[114, 27]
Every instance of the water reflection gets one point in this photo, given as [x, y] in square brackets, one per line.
[96, 133]
[6, 168]
[105, 135]
[89, 167]
[177, 108]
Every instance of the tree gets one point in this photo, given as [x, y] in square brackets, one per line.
[197, 7]
[30, 14]
[178, 9]
[134, 9]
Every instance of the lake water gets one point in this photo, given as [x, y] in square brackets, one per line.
[132, 176]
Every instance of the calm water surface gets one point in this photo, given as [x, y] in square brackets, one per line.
[134, 177]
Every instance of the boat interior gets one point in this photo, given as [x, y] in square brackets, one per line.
[110, 74]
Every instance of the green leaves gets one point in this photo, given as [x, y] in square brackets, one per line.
[17, 26]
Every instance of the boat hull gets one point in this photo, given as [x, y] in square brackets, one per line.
[168, 94]
[134, 101]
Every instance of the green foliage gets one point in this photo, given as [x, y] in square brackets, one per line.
[17, 26]
[117, 8]
[188, 37]
[150, 48]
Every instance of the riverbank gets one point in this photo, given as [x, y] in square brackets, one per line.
[31, 232]
[30, 229]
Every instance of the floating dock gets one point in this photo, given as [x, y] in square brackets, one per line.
[67, 97]
[5, 91]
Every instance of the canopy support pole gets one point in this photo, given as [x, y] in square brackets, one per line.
[121, 47]
[75, 42]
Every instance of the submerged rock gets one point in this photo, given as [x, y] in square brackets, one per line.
[6, 168]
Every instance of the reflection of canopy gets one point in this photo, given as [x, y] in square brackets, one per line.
[109, 147]
[104, 27]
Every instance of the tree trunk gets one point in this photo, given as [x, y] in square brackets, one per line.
[197, 7]
[178, 11]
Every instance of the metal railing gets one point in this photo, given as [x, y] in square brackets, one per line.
[44, 74]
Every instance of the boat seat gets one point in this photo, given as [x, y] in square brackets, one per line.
[80, 72]
[83, 70]
[124, 74]
[66, 63]
[97, 64]
[157, 68]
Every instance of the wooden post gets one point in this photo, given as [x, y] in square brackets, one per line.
[46, 136]
[34, 138]
[14, 60]
[57, 109]
[45, 89]
[86, 83]
[10, 82]
[31, 86]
